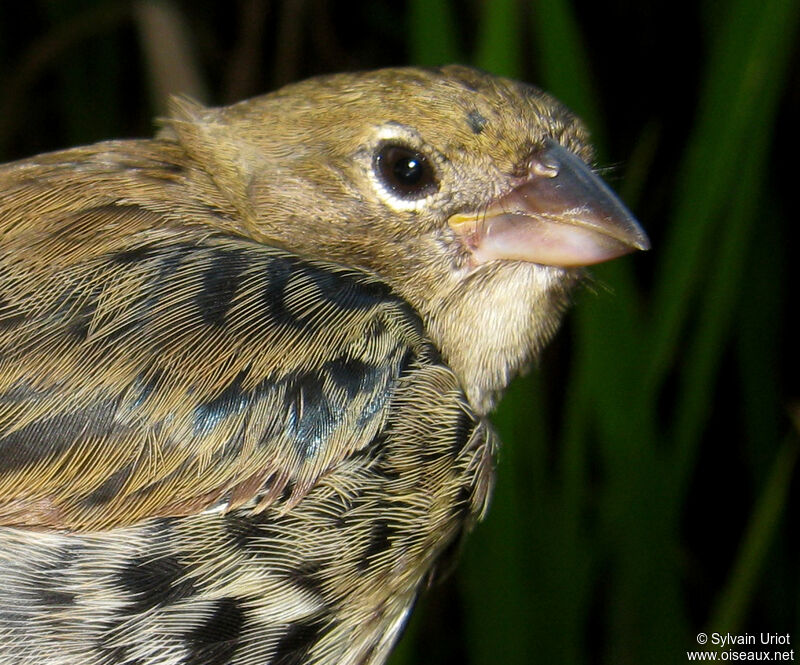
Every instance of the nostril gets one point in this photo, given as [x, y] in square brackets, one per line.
[544, 168]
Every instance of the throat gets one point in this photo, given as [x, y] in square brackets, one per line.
[494, 323]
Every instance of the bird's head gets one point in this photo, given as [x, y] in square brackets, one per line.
[470, 194]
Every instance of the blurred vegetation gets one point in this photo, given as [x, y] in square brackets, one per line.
[647, 488]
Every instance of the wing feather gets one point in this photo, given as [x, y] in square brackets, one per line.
[169, 374]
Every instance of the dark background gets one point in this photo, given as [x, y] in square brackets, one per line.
[647, 485]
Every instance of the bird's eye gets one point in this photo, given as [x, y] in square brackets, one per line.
[405, 172]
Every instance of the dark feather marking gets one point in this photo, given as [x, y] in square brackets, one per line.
[155, 582]
[372, 408]
[477, 122]
[134, 255]
[80, 320]
[387, 472]
[243, 531]
[297, 641]
[430, 355]
[10, 316]
[79, 325]
[377, 451]
[307, 576]
[431, 455]
[65, 556]
[214, 641]
[253, 533]
[21, 391]
[234, 444]
[11, 618]
[379, 541]
[278, 271]
[352, 375]
[50, 437]
[380, 393]
[287, 492]
[336, 511]
[343, 521]
[462, 431]
[157, 175]
[145, 384]
[169, 259]
[380, 397]
[220, 282]
[162, 529]
[110, 488]
[129, 329]
[462, 506]
[406, 362]
[374, 331]
[162, 264]
[377, 446]
[310, 420]
[345, 290]
[168, 167]
[230, 401]
[109, 633]
[411, 317]
[51, 599]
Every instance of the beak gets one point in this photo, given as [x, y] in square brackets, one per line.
[562, 215]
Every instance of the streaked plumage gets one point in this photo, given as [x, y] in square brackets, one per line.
[245, 367]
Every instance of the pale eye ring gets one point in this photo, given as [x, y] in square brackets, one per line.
[405, 172]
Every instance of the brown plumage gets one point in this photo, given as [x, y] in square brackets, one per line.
[245, 366]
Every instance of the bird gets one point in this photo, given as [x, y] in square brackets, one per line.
[247, 365]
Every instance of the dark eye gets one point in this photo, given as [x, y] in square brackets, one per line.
[405, 172]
